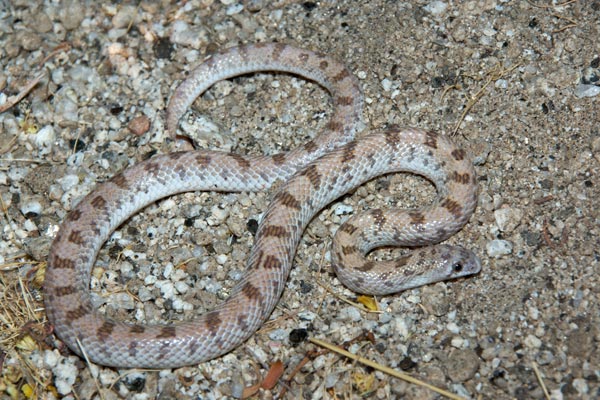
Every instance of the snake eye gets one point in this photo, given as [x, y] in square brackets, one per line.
[457, 267]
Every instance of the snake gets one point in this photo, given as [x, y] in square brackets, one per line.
[308, 178]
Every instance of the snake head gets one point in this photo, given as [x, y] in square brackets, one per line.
[456, 262]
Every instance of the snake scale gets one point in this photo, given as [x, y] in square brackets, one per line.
[314, 175]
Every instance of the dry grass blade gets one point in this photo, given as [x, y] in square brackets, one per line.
[387, 370]
[12, 100]
[19, 321]
[493, 75]
[540, 380]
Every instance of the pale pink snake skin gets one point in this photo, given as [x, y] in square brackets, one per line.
[310, 183]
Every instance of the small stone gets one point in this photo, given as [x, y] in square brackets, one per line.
[350, 314]
[183, 35]
[135, 381]
[436, 7]
[65, 109]
[51, 358]
[508, 218]
[28, 40]
[532, 342]
[68, 182]
[65, 374]
[71, 14]
[343, 209]
[234, 9]
[462, 365]
[498, 248]
[31, 208]
[124, 17]
[42, 22]
[121, 301]
[139, 125]
[583, 90]
[435, 300]
[298, 336]
[278, 334]
[254, 5]
[386, 84]
[44, 138]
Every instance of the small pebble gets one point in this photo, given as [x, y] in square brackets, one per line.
[139, 125]
[462, 364]
[508, 218]
[583, 90]
[343, 209]
[498, 248]
[31, 207]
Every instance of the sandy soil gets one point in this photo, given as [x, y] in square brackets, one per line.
[503, 76]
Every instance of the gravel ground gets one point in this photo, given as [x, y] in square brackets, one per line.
[520, 80]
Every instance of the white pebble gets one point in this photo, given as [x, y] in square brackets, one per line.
[217, 216]
[532, 342]
[51, 358]
[497, 248]
[307, 315]
[30, 226]
[221, 259]
[343, 209]
[386, 84]
[234, 9]
[32, 206]
[501, 84]
[581, 386]
[68, 181]
[457, 342]
[44, 138]
[180, 305]
[167, 289]
[331, 380]
[168, 270]
[587, 90]
[121, 301]
[64, 377]
[278, 334]
[507, 218]
[436, 7]
[181, 287]
[350, 313]
[452, 327]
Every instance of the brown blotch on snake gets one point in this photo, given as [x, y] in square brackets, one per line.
[288, 200]
[167, 332]
[106, 329]
[313, 175]
[416, 217]
[431, 139]
[120, 181]
[79, 312]
[279, 159]
[98, 202]
[65, 290]
[458, 154]
[75, 237]
[274, 230]
[453, 206]
[252, 292]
